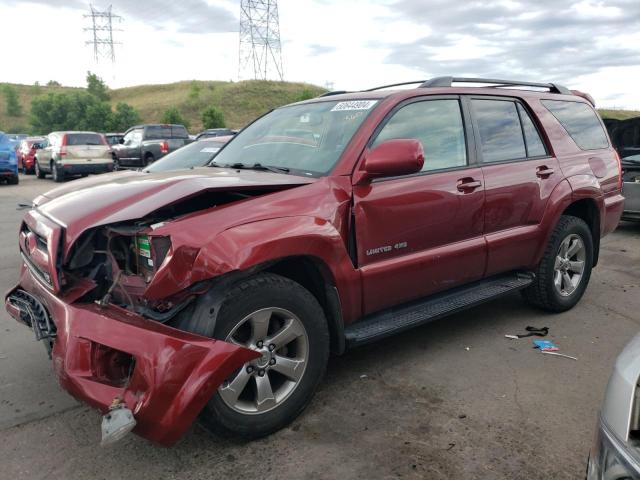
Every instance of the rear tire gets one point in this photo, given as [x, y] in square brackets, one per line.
[148, 160]
[56, 174]
[39, 173]
[256, 312]
[563, 273]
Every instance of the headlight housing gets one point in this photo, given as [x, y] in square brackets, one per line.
[611, 459]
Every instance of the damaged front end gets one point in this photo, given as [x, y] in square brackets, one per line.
[104, 315]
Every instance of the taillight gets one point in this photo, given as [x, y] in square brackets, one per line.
[63, 148]
[164, 147]
[619, 169]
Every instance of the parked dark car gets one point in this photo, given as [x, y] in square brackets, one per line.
[219, 293]
[196, 154]
[144, 144]
[216, 132]
[113, 138]
[26, 154]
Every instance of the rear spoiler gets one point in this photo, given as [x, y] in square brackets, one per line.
[586, 96]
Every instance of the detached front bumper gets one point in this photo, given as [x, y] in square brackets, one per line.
[171, 374]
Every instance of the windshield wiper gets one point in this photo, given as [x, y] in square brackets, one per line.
[258, 166]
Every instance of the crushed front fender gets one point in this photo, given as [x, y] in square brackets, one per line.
[171, 376]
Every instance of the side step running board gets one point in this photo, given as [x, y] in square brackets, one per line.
[397, 319]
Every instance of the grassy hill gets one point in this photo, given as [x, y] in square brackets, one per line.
[240, 102]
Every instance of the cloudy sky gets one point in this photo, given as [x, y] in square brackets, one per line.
[589, 45]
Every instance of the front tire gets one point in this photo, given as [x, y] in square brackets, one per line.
[563, 273]
[285, 323]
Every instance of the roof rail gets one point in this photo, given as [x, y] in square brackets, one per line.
[335, 92]
[393, 85]
[495, 83]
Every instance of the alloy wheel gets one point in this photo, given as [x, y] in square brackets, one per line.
[266, 382]
[569, 265]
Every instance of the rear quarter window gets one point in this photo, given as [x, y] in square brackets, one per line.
[581, 123]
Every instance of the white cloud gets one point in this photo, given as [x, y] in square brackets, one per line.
[353, 45]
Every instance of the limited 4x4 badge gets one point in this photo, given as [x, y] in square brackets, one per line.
[386, 248]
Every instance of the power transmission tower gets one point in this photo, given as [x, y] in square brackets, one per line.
[102, 31]
[260, 48]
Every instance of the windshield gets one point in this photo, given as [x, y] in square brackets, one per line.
[196, 154]
[307, 139]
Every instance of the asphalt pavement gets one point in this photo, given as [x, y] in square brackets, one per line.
[453, 399]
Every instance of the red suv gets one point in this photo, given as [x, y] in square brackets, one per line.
[219, 292]
[26, 152]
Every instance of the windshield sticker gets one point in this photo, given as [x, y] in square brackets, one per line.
[354, 105]
[210, 150]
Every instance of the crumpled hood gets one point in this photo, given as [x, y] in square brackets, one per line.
[121, 196]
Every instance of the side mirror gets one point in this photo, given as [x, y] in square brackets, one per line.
[392, 158]
[121, 141]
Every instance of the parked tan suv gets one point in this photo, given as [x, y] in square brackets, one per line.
[64, 154]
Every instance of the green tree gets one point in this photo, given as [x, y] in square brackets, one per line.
[53, 83]
[124, 117]
[97, 87]
[173, 115]
[14, 109]
[69, 111]
[51, 112]
[213, 118]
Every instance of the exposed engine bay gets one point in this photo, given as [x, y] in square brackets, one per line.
[116, 263]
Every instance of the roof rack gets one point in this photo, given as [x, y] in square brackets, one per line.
[421, 82]
[495, 83]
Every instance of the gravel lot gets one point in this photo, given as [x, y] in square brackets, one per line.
[453, 399]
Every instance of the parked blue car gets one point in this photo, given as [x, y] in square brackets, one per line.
[8, 160]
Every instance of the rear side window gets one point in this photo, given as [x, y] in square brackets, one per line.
[158, 132]
[500, 131]
[83, 139]
[438, 125]
[580, 122]
[534, 144]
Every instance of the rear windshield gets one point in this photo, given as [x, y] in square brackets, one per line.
[196, 154]
[84, 139]
[162, 132]
[580, 122]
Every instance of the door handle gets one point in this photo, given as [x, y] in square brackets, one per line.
[544, 171]
[468, 184]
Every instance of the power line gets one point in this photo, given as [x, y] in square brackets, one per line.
[260, 48]
[102, 33]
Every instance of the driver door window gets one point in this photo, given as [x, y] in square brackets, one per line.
[437, 124]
